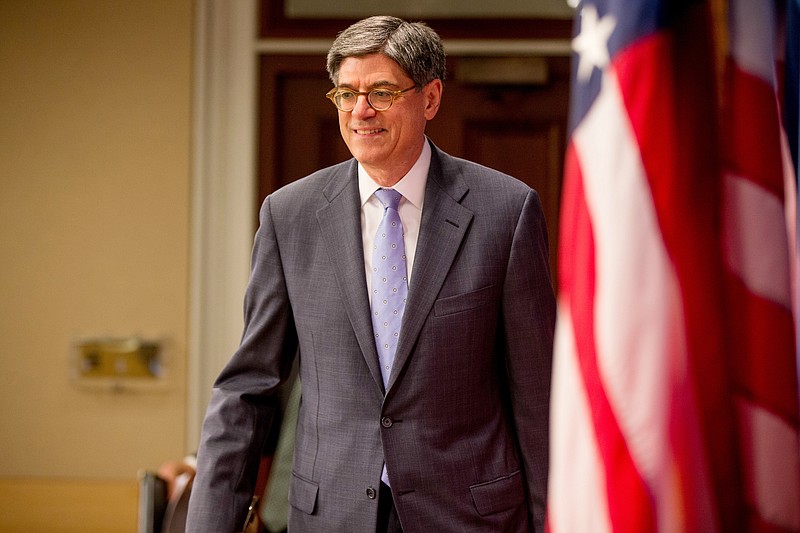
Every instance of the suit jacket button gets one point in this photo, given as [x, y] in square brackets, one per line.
[386, 422]
[371, 493]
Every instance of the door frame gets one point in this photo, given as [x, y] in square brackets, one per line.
[224, 181]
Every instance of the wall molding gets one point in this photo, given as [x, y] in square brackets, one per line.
[453, 47]
[223, 193]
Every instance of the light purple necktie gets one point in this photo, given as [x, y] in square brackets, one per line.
[389, 285]
[389, 281]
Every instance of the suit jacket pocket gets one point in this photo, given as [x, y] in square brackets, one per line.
[499, 494]
[463, 302]
[303, 494]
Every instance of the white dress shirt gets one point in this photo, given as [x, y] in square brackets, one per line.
[412, 187]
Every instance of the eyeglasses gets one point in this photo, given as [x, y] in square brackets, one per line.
[378, 99]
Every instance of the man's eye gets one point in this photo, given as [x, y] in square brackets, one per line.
[381, 93]
[346, 95]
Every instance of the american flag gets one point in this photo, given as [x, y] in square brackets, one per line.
[675, 381]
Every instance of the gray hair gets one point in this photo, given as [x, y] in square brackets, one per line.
[414, 46]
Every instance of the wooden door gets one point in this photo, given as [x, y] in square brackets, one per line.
[517, 128]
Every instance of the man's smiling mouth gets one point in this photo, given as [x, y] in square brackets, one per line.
[370, 131]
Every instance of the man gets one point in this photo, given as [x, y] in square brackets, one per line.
[433, 416]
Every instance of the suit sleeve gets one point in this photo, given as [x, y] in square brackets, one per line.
[244, 397]
[529, 323]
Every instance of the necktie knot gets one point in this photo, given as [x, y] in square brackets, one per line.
[390, 198]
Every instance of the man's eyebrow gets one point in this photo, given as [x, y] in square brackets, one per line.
[377, 84]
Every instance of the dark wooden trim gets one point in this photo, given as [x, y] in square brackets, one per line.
[274, 23]
[273, 71]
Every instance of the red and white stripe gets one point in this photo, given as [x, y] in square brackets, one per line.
[675, 397]
[757, 250]
[625, 426]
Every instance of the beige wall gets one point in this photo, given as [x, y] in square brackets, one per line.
[95, 106]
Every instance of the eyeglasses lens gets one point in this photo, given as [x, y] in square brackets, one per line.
[379, 99]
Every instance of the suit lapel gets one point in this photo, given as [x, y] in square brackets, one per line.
[340, 226]
[444, 224]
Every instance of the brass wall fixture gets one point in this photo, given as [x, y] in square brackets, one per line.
[118, 363]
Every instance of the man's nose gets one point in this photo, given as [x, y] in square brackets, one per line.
[362, 108]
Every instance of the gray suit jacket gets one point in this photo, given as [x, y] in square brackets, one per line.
[463, 423]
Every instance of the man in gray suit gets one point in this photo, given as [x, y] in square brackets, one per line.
[433, 417]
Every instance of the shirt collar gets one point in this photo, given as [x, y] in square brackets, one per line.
[411, 186]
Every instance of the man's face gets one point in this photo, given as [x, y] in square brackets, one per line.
[387, 143]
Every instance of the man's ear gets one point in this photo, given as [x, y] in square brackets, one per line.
[433, 97]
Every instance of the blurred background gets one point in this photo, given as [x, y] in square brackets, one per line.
[95, 159]
[136, 141]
